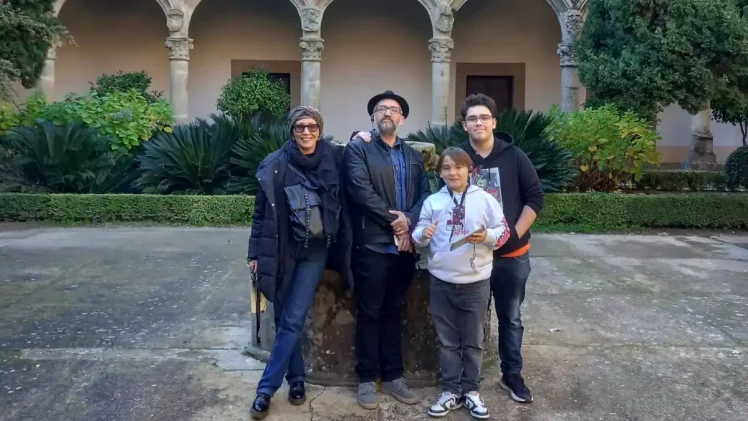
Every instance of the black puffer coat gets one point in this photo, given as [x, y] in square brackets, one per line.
[269, 239]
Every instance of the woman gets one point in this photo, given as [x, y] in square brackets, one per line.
[298, 230]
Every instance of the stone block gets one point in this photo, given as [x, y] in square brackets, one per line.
[329, 345]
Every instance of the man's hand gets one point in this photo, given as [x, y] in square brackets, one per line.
[478, 237]
[405, 243]
[253, 265]
[428, 232]
[400, 225]
[365, 136]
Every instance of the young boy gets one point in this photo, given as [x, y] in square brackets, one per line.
[462, 225]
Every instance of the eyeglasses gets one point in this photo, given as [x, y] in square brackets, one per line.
[299, 128]
[484, 118]
[383, 109]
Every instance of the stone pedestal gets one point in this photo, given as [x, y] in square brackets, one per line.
[701, 154]
[329, 345]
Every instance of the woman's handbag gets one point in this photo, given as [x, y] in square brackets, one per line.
[306, 211]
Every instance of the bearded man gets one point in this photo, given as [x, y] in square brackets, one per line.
[387, 184]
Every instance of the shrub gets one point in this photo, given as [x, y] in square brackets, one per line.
[127, 117]
[251, 94]
[574, 211]
[193, 159]
[45, 158]
[260, 139]
[736, 168]
[552, 161]
[605, 211]
[609, 147]
[173, 209]
[679, 180]
[12, 115]
[124, 82]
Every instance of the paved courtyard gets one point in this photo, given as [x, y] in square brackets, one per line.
[145, 323]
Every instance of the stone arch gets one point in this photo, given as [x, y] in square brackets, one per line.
[311, 13]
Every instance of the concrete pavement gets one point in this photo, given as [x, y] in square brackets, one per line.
[148, 323]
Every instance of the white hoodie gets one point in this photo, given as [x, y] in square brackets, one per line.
[480, 209]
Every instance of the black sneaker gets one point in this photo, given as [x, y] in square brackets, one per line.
[260, 406]
[515, 385]
[297, 393]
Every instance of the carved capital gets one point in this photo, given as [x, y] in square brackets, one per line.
[311, 19]
[443, 23]
[179, 48]
[311, 49]
[574, 23]
[568, 54]
[175, 20]
[441, 49]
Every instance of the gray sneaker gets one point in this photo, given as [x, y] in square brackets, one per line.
[367, 395]
[400, 391]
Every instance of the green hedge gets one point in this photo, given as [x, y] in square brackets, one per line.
[679, 180]
[579, 211]
[84, 208]
[668, 210]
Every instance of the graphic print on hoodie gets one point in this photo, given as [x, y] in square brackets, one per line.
[509, 176]
[469, 262]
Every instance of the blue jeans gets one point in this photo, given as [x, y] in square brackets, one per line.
[291, 311]
[508, 281]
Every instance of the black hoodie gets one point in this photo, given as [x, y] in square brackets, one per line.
[509, 176]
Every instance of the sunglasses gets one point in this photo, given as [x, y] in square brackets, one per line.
[299, 128]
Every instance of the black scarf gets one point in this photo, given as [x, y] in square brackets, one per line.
[323, 174]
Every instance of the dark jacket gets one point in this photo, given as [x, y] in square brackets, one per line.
[269, 241]
[509, 175]
[370, 183]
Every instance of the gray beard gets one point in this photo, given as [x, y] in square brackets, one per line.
[388, 130]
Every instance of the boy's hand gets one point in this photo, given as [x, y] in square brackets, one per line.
[478, 237]
[430, 230]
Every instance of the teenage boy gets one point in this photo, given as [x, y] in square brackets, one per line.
[504, 171]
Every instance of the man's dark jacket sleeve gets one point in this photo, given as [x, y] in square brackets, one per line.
[359, 187]
[422, 193]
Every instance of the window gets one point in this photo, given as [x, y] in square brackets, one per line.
[500, 88]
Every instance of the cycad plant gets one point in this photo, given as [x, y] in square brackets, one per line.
[193, 159]
[250, 150]
[73, 158]
[552, 161]
[528, 128]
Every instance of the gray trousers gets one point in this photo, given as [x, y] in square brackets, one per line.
[459, 313]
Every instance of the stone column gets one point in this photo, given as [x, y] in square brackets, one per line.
[441, 78]
[46, 82]
[311, 62]
[701, 154]
[572, 22]
[441, 46]
[179, 59]
[311, 44]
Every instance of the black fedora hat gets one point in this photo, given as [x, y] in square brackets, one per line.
[388, 95]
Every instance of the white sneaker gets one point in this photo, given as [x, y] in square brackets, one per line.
[448, 401]
[475, 404]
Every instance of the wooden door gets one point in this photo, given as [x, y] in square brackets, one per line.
[500, 88]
